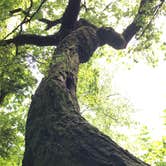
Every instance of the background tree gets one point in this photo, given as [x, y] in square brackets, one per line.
[54, 123]
[151, 151]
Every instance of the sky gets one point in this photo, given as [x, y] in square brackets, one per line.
[145, 87]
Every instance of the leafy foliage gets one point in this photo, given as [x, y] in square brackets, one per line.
[97, 102]
[12, 129]
[100, 104]
[154, 151]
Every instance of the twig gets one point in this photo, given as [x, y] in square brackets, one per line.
[41, 4]
[25, 20]
[49, 23]
[108, 5]
[15, 11]
[33, 58]
[22, 22]
[157, 8]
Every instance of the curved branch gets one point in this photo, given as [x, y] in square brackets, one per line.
[50, 40]
[108, 35]
[136, 25]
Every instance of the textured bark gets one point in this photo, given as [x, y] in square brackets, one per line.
[56, 133]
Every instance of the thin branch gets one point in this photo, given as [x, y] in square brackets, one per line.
[84, 6]
[12, 12]
[108, 5]
[16, 51]
[25, 20]
[3, 94]
[34, 58]
[40, 6]
[49, 23]
[22, 22]
[109, 116]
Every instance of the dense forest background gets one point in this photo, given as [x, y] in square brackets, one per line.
[21, 69]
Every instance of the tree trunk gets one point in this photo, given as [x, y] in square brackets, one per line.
[56, 133]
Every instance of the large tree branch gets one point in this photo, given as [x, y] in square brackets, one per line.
[138, 21]
[49, 40]
[68, 19]
[109, 36]
[70, 15]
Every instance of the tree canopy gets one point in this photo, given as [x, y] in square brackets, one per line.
[25, 16]
[25, 25]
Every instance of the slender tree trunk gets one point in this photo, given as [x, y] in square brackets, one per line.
[56, 133]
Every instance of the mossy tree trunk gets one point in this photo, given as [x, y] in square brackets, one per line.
[56, 133]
